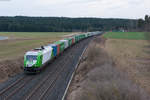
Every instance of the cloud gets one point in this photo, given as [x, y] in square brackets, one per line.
[76, 8]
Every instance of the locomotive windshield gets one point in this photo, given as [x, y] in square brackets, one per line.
[31, 57]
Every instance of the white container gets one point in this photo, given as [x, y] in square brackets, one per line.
[66, 42]
[47, 54]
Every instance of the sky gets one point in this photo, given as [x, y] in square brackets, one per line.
[132, 9]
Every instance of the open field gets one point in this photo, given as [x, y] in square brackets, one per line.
[20, 42]
[133, 57]
[127, 35]
[131, 52]
[128, 48]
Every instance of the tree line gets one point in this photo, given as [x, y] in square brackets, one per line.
[144, 24]
[63, 24]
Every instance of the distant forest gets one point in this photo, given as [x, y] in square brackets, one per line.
[144, 24]
[63, 24]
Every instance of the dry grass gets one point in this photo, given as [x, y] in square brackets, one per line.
[20, 42]
[132, 56]
[98, 78]
[127, 48]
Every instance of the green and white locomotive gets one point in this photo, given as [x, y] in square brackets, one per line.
[34, 60]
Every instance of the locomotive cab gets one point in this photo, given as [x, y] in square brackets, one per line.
[36, 59]
[31, 60]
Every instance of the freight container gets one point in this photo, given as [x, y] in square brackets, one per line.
[47, 54]
[81, 36]
[66, 43]
[76, 38]
[58, 48]
[61, 46]
[88, 34]
[54, 46]
[73, 40]
[85, 35]
[91, 33]
[69, 41]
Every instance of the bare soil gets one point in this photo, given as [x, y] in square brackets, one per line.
[9, 68]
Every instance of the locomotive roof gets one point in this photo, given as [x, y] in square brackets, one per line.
[32, 53]
[37, 50]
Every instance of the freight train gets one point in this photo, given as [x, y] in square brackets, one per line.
[36, 59]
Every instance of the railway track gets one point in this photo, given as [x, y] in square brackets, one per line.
[50, 83]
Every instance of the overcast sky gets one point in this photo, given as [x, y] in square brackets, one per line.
[76, 8]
